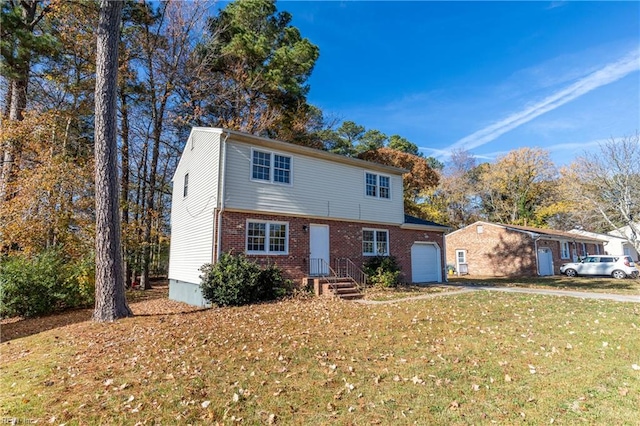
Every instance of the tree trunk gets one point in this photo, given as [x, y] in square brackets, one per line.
[124, 182]
[111, 302]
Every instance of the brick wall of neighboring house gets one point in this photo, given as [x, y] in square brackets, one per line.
[345, 241]
[494, 252]
[502, 252]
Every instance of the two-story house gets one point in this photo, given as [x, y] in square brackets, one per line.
[301, 208]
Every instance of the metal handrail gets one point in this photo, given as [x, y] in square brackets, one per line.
[352, 271]
[343, 268]
[321, 265]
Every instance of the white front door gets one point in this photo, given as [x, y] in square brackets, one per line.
[545, 262]
[319, 249]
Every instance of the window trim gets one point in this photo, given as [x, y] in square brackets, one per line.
[377, 185]
[266, 250]
[272, 155]
[375, 242]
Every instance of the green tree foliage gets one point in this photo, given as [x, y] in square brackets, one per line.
[343, 140]
[399, 143]
[235, 280]
[44, 283]
[252, 71]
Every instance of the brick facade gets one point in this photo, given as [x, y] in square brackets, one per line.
[499, 251]
[345, 241]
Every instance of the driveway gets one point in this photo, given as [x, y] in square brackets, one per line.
[545, 292]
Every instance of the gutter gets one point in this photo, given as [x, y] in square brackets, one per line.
[221, 186]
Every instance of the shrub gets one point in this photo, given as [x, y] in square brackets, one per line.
[383, 271]
[236, 281]
[44, 283]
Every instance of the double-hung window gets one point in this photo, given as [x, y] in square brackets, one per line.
[564, 250]
[270, 167]
[378, 186]
[264, 237]
[375, 242]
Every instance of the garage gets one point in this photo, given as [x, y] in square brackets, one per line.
[425, 263]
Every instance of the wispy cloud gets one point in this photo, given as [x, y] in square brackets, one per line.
[606, 75]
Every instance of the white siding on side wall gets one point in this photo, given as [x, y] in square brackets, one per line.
[319, 188]
[192, 216]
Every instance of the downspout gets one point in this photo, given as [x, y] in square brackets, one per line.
[221, 174]
[535, 246]
[445, 269]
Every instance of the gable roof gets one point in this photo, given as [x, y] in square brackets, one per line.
[540, 232]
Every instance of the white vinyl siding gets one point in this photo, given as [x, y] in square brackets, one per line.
[192, 217]
[375, 242]
[320, 188]
[264, 237]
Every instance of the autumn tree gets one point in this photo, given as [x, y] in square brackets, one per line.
[455, 202]
[21, 41]
[111, 302]
[606, 183]
[516, 185]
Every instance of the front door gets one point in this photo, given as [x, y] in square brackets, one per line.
[319, 249]
[545, 262]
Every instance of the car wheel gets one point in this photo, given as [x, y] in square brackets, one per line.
[571, 273]
[618, 274]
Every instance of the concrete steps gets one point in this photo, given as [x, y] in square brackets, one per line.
[344, 288]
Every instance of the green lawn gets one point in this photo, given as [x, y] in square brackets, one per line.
[473, 358]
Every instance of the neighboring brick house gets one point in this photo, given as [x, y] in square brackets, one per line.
[491, 249]
[304, 209]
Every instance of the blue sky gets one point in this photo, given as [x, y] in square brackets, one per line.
[488, 77]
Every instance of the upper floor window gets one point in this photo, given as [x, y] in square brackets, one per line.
[270, 167]
[377, 185]
[265, 237]
[375, 242]
[185, 188]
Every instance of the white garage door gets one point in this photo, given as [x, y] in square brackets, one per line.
[425, 263]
